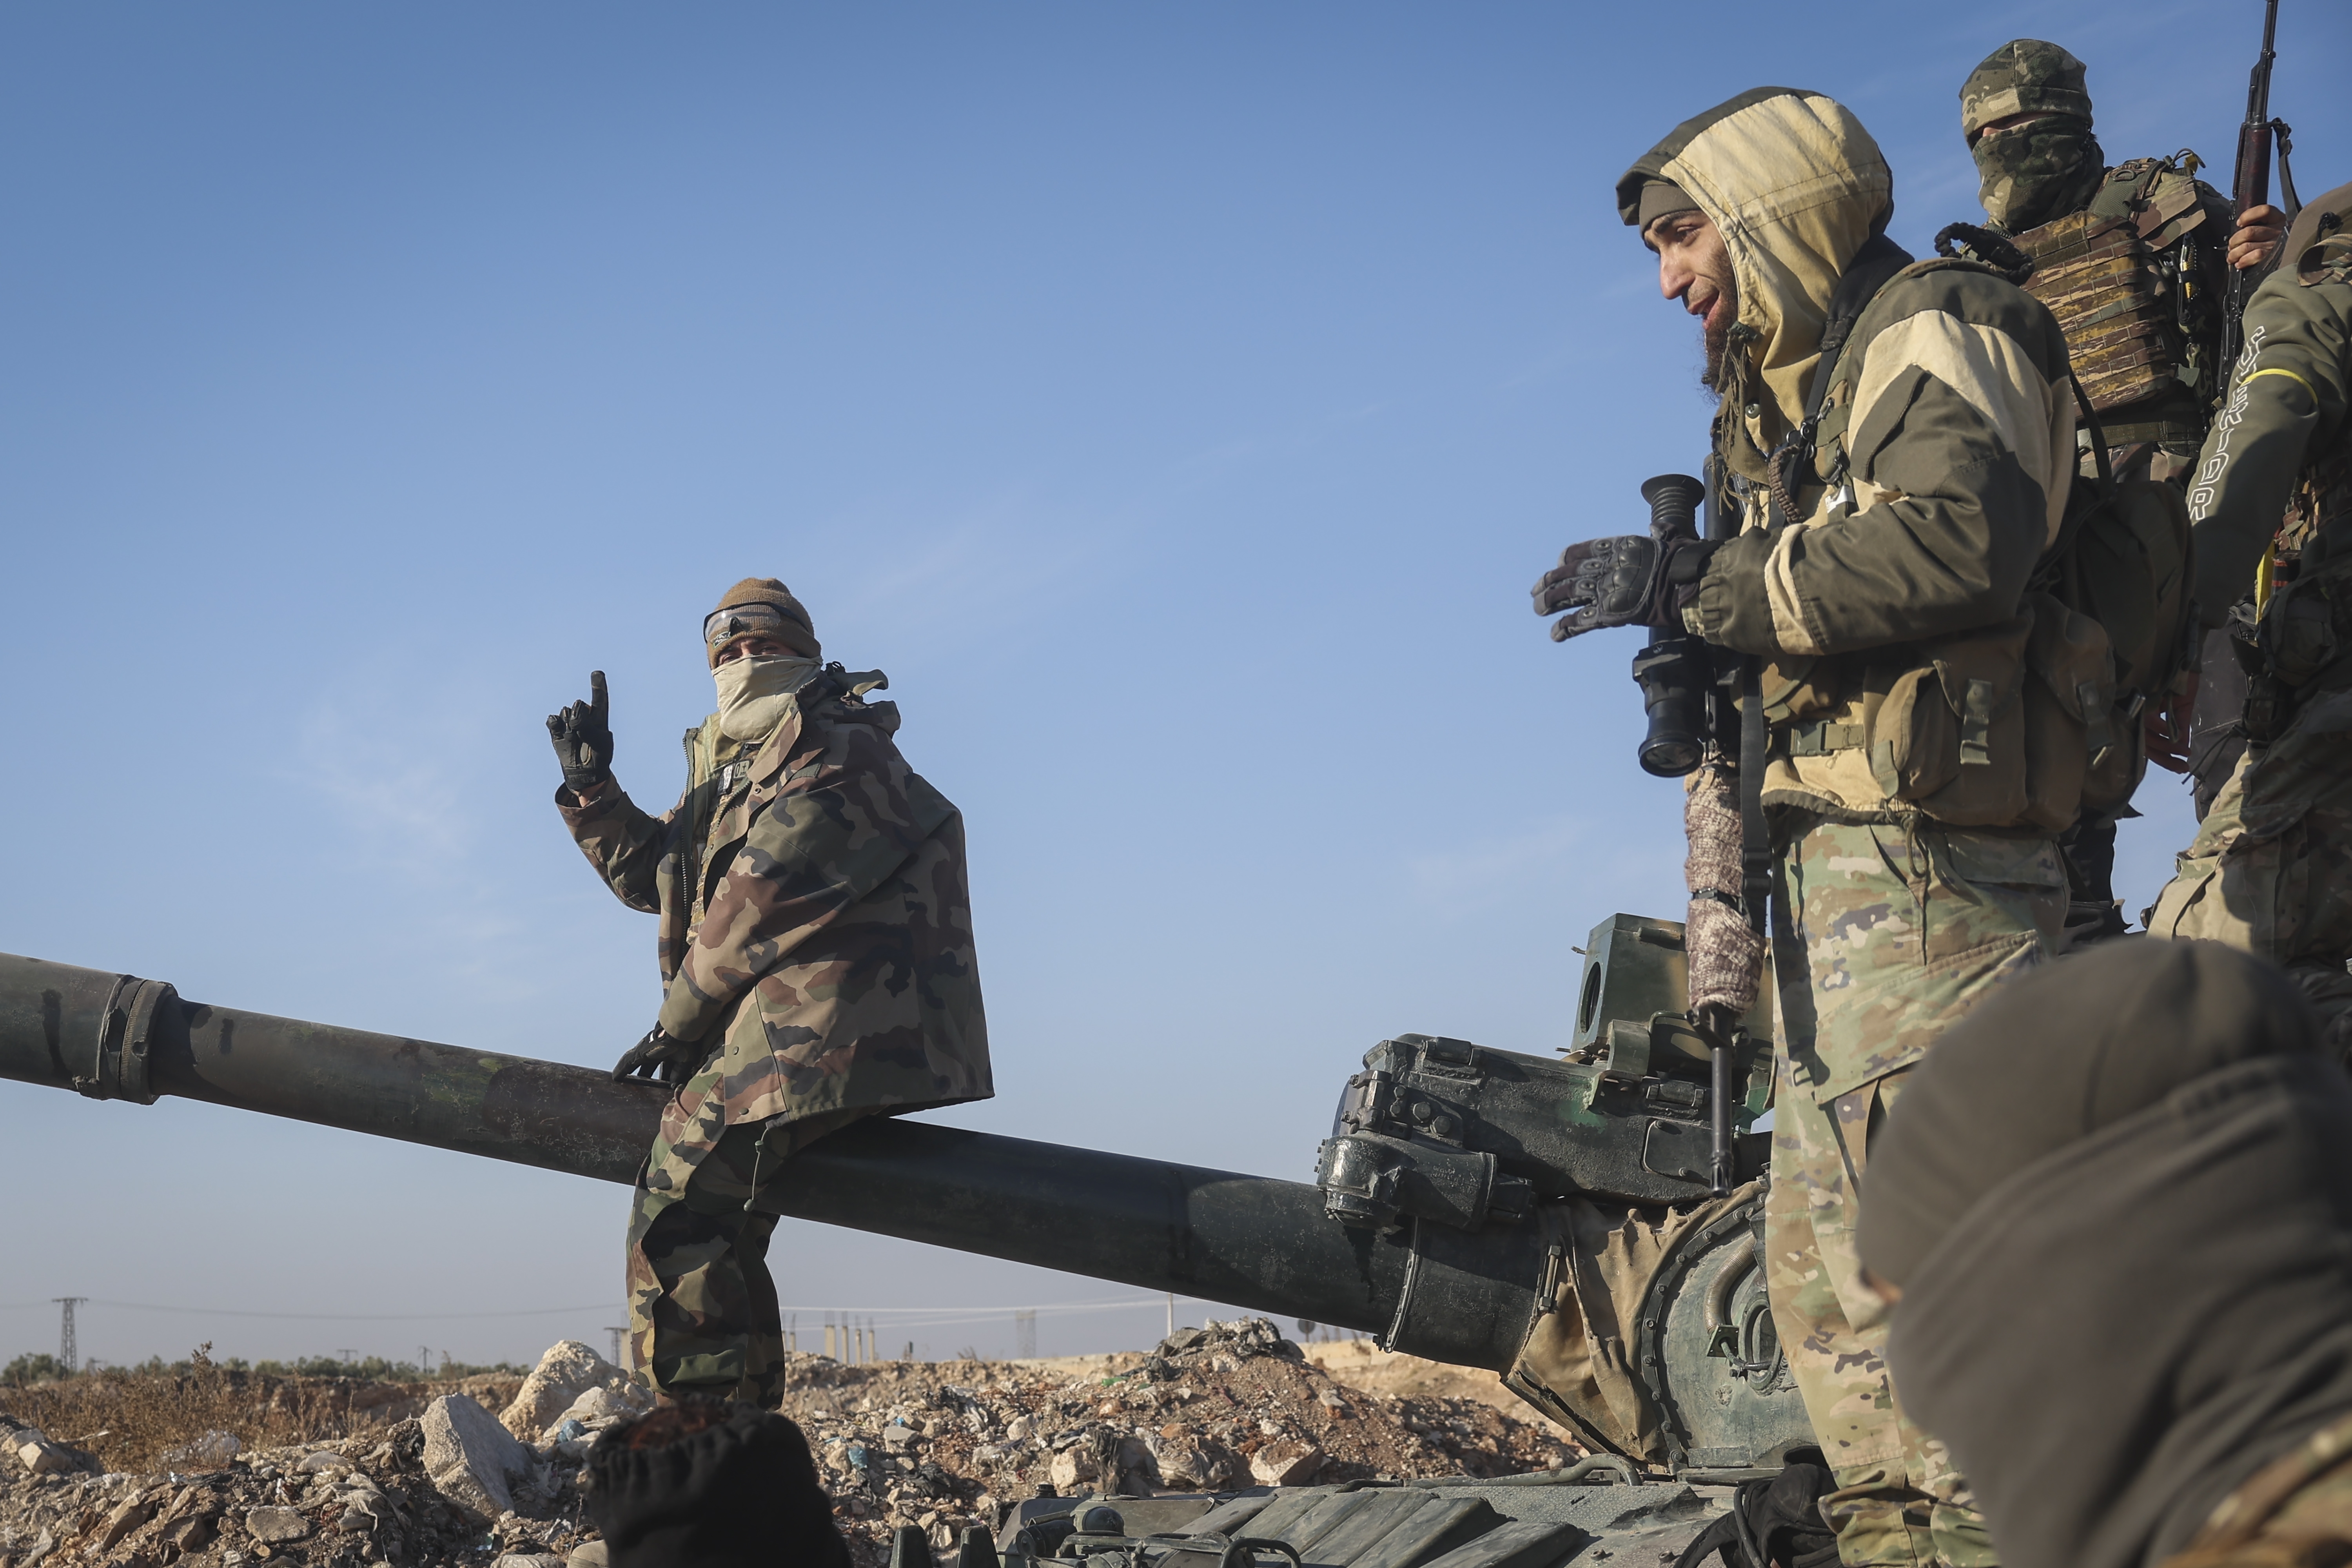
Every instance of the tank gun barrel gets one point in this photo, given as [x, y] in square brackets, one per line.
[1217, 1236]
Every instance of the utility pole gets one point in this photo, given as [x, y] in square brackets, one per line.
[1024, 1333]
[1171, 1314]
[66, 1352]
[616, 1332]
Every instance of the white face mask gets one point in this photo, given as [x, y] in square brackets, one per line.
[754, 692]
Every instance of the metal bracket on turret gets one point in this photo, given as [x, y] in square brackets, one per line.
[1372, 1180]
[115, 1064]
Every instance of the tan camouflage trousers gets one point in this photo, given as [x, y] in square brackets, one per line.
[703, 1314]
[1884, 937]
[2271, 869]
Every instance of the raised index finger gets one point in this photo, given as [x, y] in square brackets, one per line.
[600, 702]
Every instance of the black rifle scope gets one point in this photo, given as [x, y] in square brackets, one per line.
[1675, 671]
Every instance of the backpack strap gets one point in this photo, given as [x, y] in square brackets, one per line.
[2070, 525]
[1871, 268]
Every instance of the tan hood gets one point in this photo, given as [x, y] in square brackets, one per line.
[1796, 187]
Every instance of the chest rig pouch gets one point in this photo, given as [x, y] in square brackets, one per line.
[2023, 724]
[2129, 294]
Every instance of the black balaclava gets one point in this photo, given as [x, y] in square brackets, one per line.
[2047, 167]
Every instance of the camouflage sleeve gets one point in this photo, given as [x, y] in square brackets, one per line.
[1960, 449]
[622, 842]
[2289, 387]
[829, 838]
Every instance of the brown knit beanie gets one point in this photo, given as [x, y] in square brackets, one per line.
[760, 607]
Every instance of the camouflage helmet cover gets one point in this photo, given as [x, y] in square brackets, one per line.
[2024, 76]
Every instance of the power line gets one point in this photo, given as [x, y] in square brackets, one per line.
[904, 1316]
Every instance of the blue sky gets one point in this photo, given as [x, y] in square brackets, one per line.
[1175, 401]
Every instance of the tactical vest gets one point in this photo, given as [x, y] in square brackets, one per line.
[2024, 725]
[2133, 279]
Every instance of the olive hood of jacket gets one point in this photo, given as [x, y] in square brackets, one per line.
[1796, 187]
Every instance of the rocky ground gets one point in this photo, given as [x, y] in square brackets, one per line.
[429, 1475]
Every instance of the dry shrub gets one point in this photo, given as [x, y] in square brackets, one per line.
[131, 1419]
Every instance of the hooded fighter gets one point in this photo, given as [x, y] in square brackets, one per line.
[1899, 440]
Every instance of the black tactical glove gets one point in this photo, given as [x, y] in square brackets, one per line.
[659, 1056]
[1630, 580]
[583, 735]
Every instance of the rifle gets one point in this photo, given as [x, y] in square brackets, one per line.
[2251, 187]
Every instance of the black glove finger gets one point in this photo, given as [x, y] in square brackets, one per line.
[555, 728]
[639, 1059]
[1587, 618]
[1583, 576]
[600, 701]
[1570, 584]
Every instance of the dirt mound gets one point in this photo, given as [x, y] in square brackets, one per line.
[1360, 1363]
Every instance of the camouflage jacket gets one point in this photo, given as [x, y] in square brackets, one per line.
[815, 920]
[2281, 446]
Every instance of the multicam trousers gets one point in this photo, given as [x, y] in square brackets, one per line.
[1884, 935]
[703, 1315]
[2271, 869]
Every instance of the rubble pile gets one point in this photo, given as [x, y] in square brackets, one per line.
[940, 1445]
[943, 1445]
[453, 1483]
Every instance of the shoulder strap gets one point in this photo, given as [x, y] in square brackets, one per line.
[1872, 268]
[2069, 526]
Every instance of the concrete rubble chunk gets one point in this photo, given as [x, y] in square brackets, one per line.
[130, 1516]
[472, 1460]
[600, 1407]
[1072, 1466]
[567, 1370]
[276, 1526]
[40, 1453]
[1285, 1462]
[591, 1554]
[530, 1559]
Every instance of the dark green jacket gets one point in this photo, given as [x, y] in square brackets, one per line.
[2283, 444]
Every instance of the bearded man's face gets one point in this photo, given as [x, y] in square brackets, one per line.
[1695, 268]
